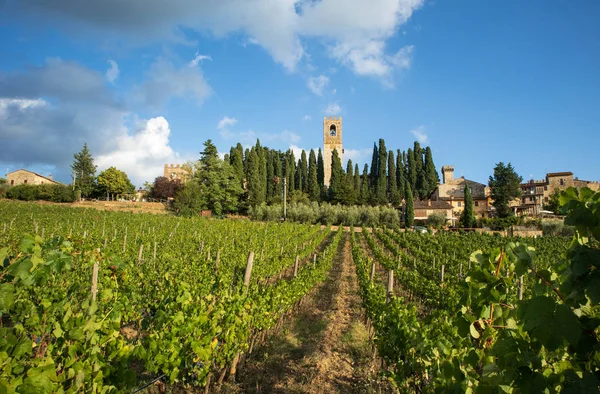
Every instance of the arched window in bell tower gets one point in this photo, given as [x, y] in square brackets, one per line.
[332, 130]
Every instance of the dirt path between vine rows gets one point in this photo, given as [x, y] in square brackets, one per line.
[323, 348]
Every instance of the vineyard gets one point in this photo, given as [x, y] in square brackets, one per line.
[97, 301]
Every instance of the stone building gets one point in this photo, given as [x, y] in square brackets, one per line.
[332, 140]
[182, 172]
[536, 193]
[26, 177]
[425, 208]
[452, 192]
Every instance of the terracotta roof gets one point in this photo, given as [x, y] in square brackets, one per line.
[559, 173]
[434, 205]
[35, 173]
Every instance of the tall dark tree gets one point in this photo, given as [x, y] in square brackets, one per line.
[290, 171]
[320, 170]
[270, 184]
[219, 188]
[314, 191]
[431, 173]
[506, 186]
[374, 170]
[253, 180]
[164, 188]
[85, 171]
[304, 171]
[236, 159]
[393, 191]
[381, 188]
[337, 178]
[467, 216]
[356, 184]
[363, 196]
[278, 175]
[412, 171]
[400, 175]
[348, 195]
[298, 176]
[409, 208]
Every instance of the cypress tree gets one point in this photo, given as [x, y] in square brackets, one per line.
[337, 178]
[400, 175]
[304, 172]
[467, 217]
[277, 173]
[393, 192]
[270, 175]
[262, 171]
[320, 170]
[290, 171]
[348, 193]
[374, 170]
[382, 162]
[253, 179]
[409, 209]
[364, 186]
[356, 184]
[299, 180]
[236, 159]
[412, 174]
[430, 172]
[314, 190]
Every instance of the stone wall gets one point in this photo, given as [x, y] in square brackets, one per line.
[21, 177]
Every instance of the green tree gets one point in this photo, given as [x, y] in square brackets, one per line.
[304, 172]
[506, 186]
[112, 181]
[85, 171]
[236, 159]
[189, 201]
[373, 175]
[381, 188]
[320, 170]
[219, 189]
[348, 195]
[2, 181]
[314, 191]
[400, 174]
[409, 208]
[467, 217]
[363, 196]
[553, 202]
[278, 175]
[412, 171]
[356, 184]
[393, 191]
[431, 173]
[337, 178]
[290, 170]
[253, 181]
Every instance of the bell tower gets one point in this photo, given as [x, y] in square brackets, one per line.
[332, 139]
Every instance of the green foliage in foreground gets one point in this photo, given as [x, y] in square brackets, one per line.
[491, 341]
[54, 193]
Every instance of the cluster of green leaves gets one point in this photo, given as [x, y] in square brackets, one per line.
[491, 340]
[183, 314]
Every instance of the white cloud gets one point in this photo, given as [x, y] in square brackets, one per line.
[306, 117]
[226, 122]
[357, 29]
[20, 104]
[317, 84]
[359, 156]
[333, 109]
[334, 91]
[166, 81]
[113, 71]
[143, 154]
[198, 59]
[420, 134]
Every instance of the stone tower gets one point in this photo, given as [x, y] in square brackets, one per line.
[332, 139]
[447, 173]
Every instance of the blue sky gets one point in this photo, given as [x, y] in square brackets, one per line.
[146, 82]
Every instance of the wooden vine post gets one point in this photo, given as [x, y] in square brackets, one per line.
[372, 272]
[296, 266]
[95, 281]
[521, 287]
[390, 286]
[248, 272]
[442, 273]
[141, 253]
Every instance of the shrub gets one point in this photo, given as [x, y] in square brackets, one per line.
[436, 220]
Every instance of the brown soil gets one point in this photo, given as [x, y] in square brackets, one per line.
[324, 348]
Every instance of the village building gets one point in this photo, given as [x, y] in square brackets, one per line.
[332, 140]
[452, 191]
[26, 177]
[537, 193]
[423, 209]
[181, 172]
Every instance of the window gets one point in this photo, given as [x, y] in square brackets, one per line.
[12, 182]
[545, 187]
[25, 181]
[530, 199]
[562, 182]
[476, 203]
[459, 203]
[545, 199]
